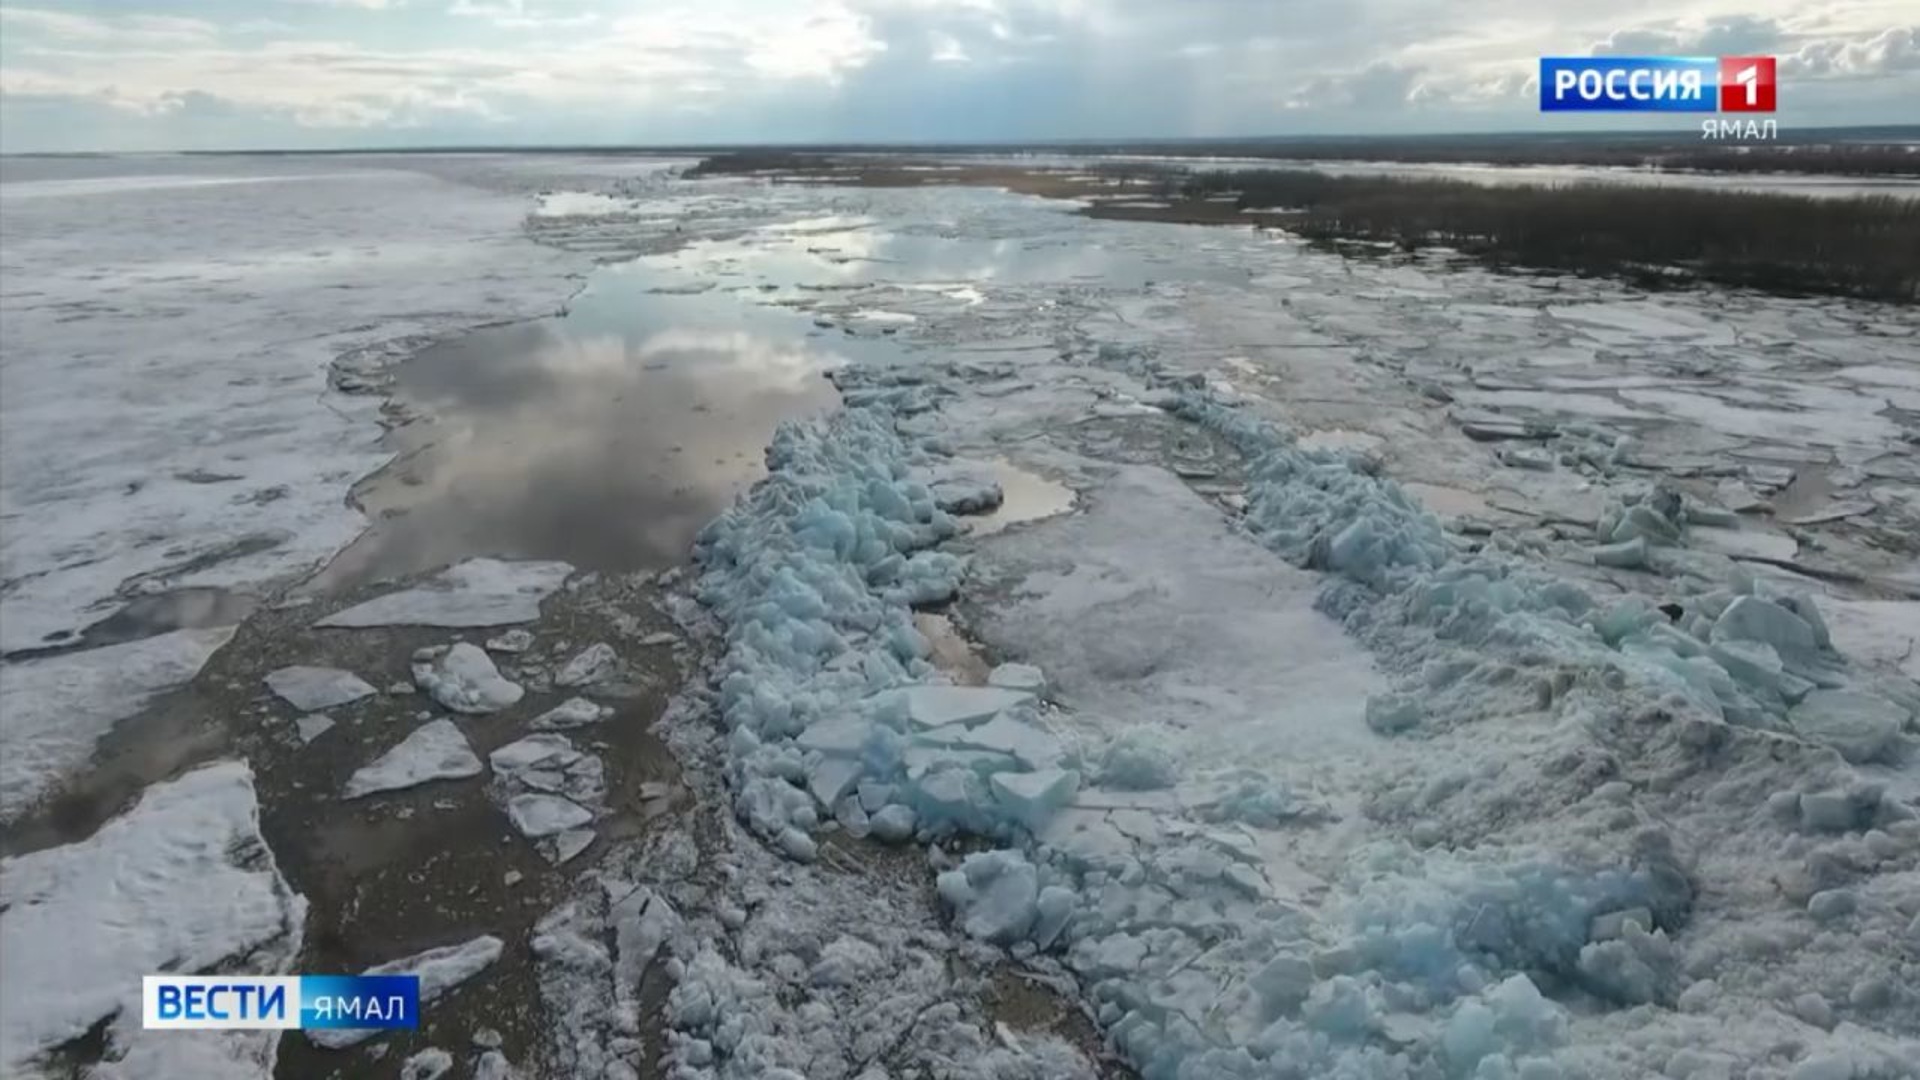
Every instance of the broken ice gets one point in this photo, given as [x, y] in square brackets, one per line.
[310, 689]
[434, 751]
[462, 677]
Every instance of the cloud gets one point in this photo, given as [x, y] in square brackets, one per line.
[117, 30]
[396, 71]
[1893, 51]
[1378, 86]
[1728, 35]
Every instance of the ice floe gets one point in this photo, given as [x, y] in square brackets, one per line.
[433, 751]
[310, 689]
[462, 677]
[54, 709]
[181, 882]
[429, 1064]
[595, 663]
[477, 592]
[440, 971]
[312, 726]
[569, 714]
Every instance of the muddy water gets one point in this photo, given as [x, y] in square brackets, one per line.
[605, 438]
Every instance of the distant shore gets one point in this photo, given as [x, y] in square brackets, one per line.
[1866, 246]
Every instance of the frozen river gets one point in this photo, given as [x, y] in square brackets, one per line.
[1379, 667]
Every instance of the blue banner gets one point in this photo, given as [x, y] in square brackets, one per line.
[1687, 84]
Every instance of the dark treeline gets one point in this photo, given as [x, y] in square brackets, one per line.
[1889, 159]
[1841, 159]
[1867, 247]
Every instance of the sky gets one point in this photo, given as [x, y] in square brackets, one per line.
[300, 74]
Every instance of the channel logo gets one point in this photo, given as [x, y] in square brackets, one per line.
[277, 1002]
[1691, 84]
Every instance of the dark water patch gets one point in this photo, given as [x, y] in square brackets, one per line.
[605, 438]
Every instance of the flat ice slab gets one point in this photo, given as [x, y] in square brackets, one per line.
[571, 713]
[182, 882]
[536, 816]
[440, 970]
[462, 677]
[311, 689]
[435, 751]
[478, 592]
[933, 706]
[53, 710]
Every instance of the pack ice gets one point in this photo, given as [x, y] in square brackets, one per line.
[824, 686]
[1571, 944]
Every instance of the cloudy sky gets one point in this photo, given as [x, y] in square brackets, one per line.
[198, 74]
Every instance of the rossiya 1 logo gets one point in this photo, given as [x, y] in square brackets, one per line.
[1667, 84]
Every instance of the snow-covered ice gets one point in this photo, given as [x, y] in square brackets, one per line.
[477, 592]
[462, 677]
[440, 970]
[176, 428]
[182, 882]
[436, 750]
[53, 710]
[309, 689]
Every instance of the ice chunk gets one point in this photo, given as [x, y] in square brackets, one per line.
[832, 778]
[595, 663]
[952, 797]
[493, 1065]
[434, 751]
[310, 689]
[439, 971]
[555, 751]
[312, 726]
[570, 843]
[513, 641]
[462, 678]
[1138, 761]
[181, 882]
[930, 706]
[995, 895]
[893, 823]
[844, 736]
[1750, 618]
[1625, 555]
[569, 714]
[966, 495]
[1031, 798]
[478, 592]
[1831, 904]
[845, 961]
[1022, 677]
[1390, 714]
[1031, 746]
[536, 816]
[429, 1064]
[1860, 726]
[1053, 910]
